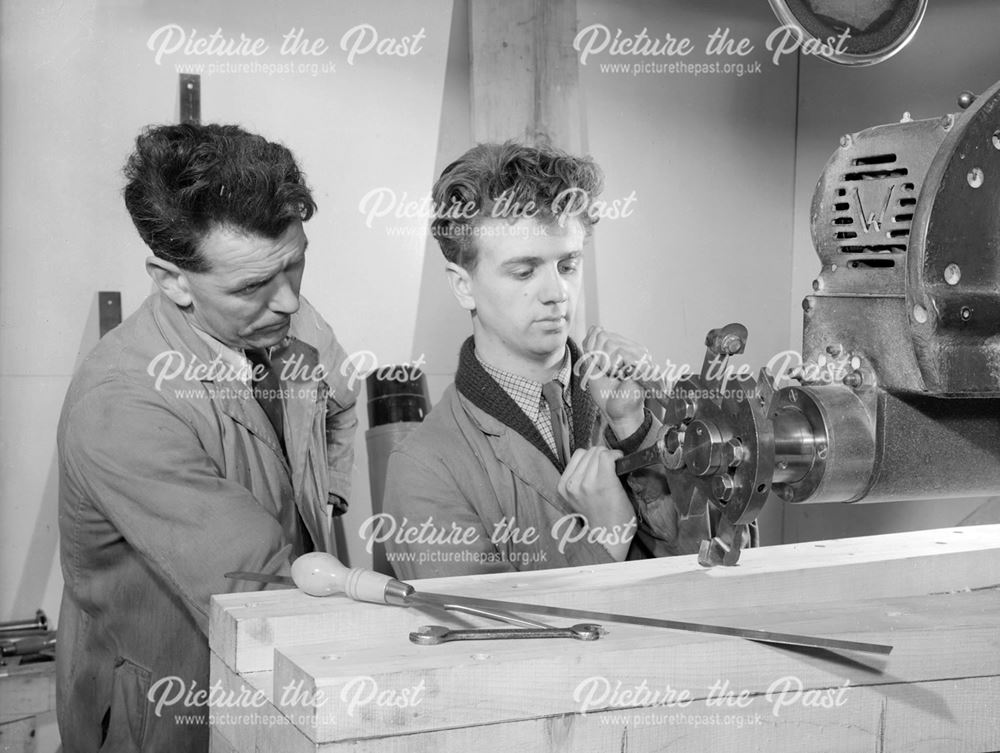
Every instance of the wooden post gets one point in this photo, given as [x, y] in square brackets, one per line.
[526, 86]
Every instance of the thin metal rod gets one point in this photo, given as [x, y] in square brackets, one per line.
[763, 636]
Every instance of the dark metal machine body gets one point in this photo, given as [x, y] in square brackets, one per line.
[897, 395]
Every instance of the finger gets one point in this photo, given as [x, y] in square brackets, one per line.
[568, 481]
[574, 461]
[606, 464]
[600, 468]
[589, 366]
[624, 354]
[590, 467]
[594, 342]
[588, 339]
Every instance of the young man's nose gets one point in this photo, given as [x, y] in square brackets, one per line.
[554, 286]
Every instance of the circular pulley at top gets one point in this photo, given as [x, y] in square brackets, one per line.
[851, 33]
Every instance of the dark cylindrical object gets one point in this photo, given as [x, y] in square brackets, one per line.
[40, 622]
[27, 645]
[396, 394]
[936, 448]
[397, 403]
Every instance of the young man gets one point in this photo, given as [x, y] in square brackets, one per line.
[514, 468]
[209, 432]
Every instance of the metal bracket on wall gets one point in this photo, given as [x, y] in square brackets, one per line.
[109, 310]
[190, 97]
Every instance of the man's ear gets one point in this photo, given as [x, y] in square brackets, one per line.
[171, 279]
[461, 285]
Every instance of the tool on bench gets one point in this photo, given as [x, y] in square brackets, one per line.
[431, 635]
[321, 574]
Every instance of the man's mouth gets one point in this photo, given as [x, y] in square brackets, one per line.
[274, 327]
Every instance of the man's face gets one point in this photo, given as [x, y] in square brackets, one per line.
[251, 290]
[525, 288]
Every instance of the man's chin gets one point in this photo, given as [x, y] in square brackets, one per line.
[550, 344]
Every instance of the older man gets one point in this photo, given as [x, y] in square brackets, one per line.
[210, 432]
[514, 468]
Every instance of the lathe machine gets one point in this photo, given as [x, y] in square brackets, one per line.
[896, 395]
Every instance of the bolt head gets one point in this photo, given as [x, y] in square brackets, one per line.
[732, 344]
[690, 408]
[965, 99]
[733, 453]
[723, 488]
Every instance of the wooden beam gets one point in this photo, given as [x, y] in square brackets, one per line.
[18, 736]
[526, 86]
[27, 690]
[335, 675]
[525, 80]
[326, 687]
[960, 717]
[503, 59]
[247, 627]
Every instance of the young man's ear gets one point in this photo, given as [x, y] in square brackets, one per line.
[461, 285]
[171, 279]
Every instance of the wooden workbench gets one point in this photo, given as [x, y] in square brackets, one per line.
[26, 692]
[335, 675]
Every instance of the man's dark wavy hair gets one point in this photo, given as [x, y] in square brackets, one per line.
[186, 180]
[497, 179]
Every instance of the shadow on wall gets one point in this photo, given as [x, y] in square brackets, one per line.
[43, 550]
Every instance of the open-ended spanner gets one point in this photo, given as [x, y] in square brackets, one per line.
[430, 635]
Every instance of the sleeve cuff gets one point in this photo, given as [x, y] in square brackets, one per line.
[632, 442]
[338, 503]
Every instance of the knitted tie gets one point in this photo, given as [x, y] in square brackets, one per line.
[553, 394]
[267, 392]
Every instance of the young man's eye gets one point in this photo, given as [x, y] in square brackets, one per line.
[522, 273]
[570, 266]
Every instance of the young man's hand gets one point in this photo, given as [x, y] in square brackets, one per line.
[605, 356]
[591, 488]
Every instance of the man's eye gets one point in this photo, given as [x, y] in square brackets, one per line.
[568, 267]
[522, 274]
[251, 288]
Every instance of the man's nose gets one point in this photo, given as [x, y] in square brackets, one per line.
[285, 299]
[553, 285]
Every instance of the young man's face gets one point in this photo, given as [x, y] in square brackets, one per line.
[524, 289]
[251, 290]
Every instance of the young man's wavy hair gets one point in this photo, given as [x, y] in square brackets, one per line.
[186, 180]
[508, 181]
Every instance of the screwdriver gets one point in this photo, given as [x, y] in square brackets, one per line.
[322, 574]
